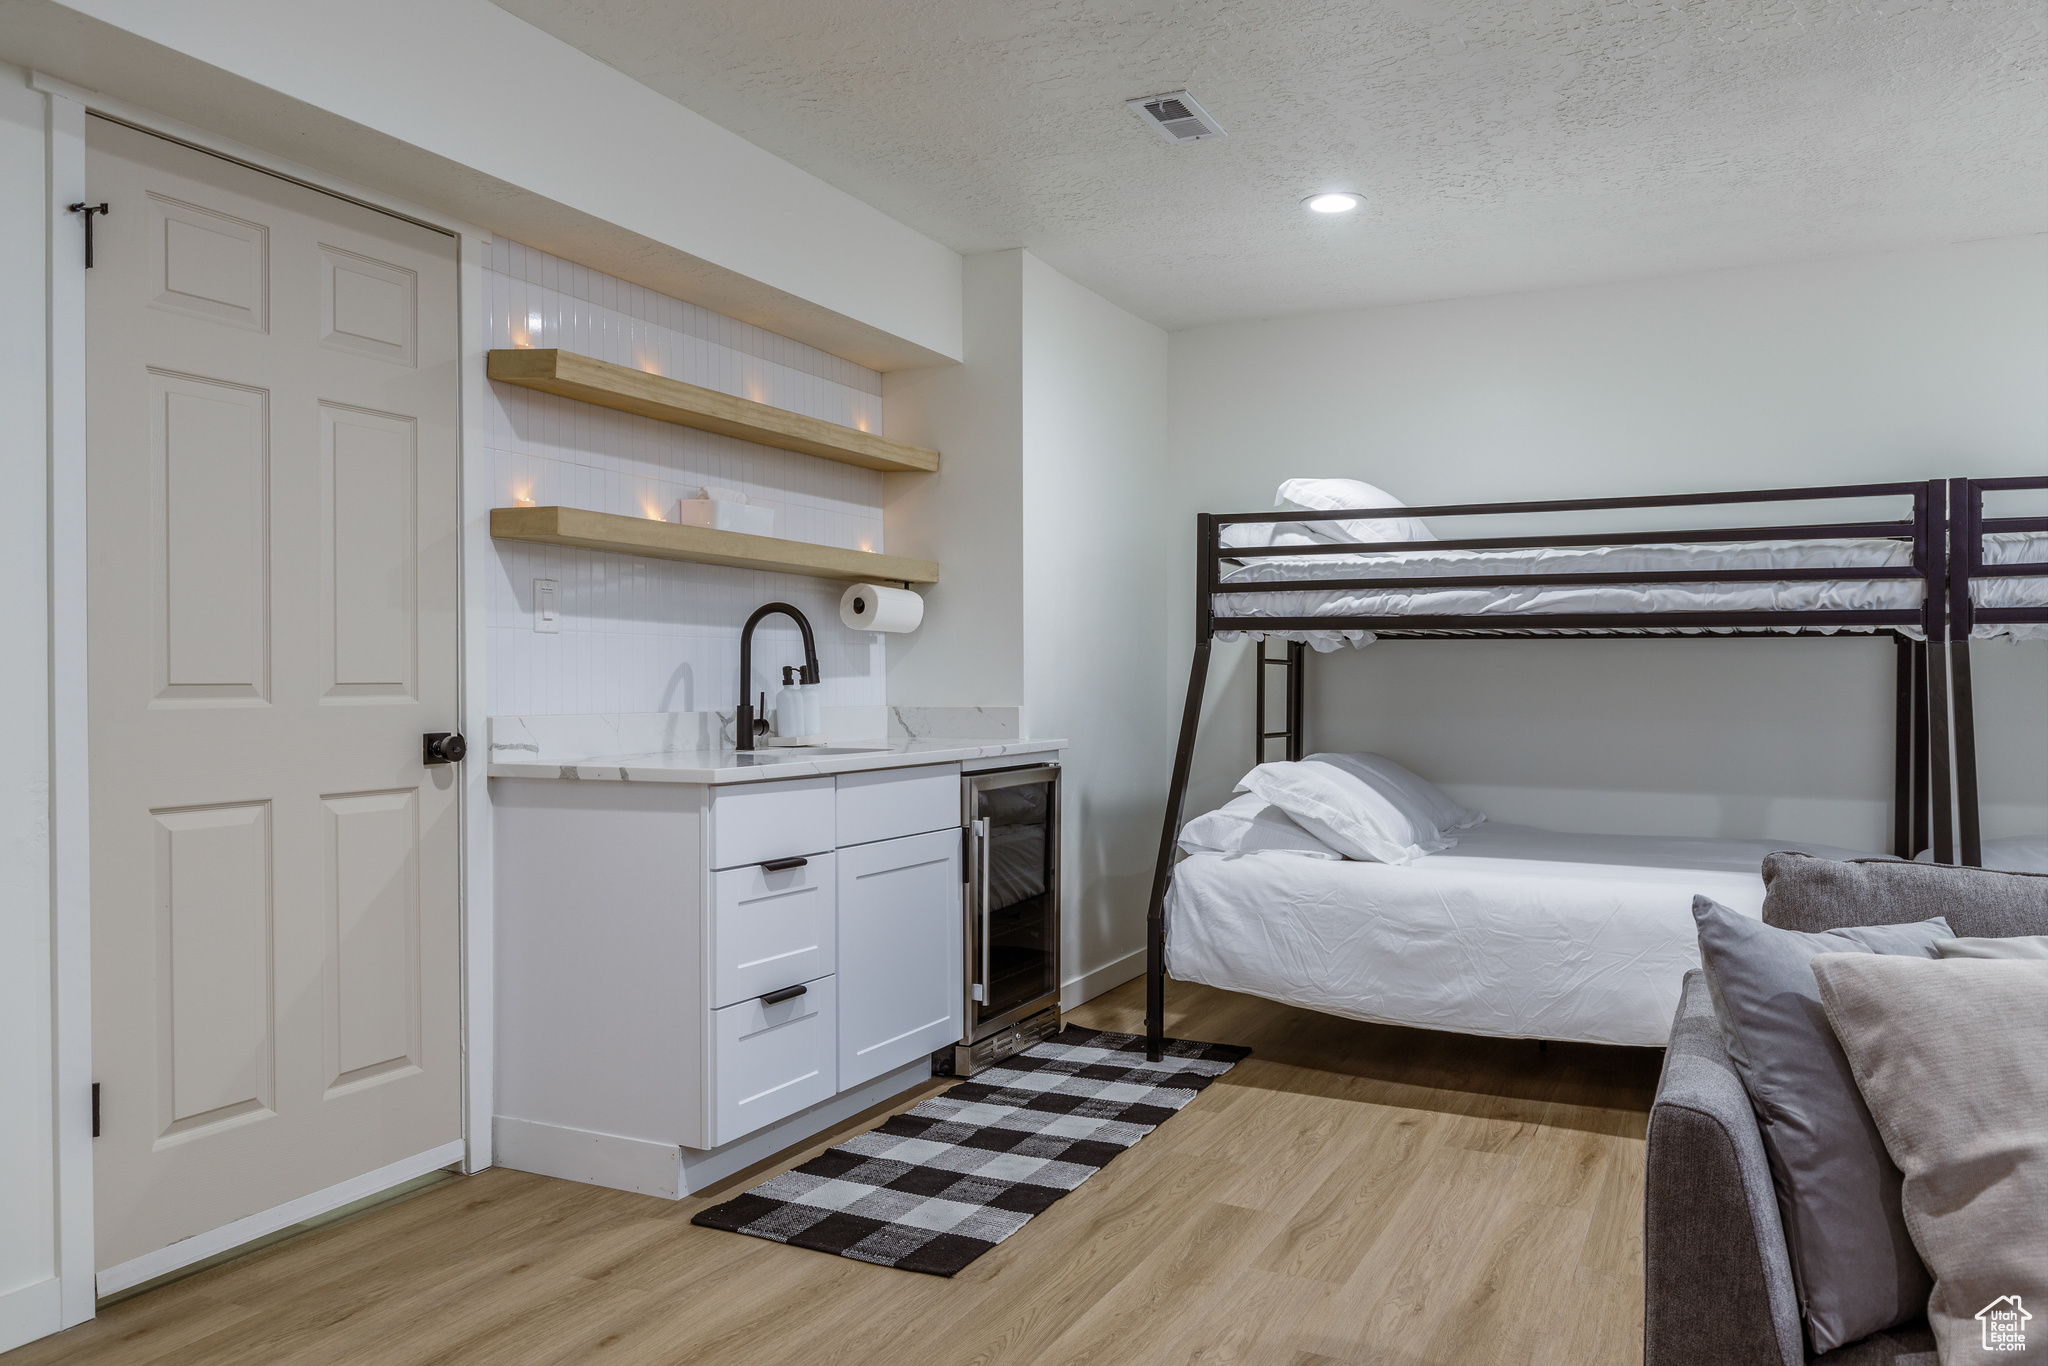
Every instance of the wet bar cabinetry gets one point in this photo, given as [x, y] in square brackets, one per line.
[693, 976]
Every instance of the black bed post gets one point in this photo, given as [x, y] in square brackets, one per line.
[1923, 748]
[1177, 790]
[1965, 512]
[1936, 626]
[1902, 751]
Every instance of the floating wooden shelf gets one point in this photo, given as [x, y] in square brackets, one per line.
[670, 541]
[671, 400]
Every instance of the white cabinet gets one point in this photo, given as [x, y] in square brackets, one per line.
[759, 822]
[899, 952]
[771, 926]
[897, 801]
[772, 1057]
[692, 976]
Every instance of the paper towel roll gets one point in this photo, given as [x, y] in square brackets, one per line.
[870, 607]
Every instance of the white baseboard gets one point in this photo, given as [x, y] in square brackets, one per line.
[200, 1246]
[639, 1165]
[1110, 975]
[646, 1167]
[31, 1312]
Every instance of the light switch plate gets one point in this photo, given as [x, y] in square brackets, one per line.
[547, 606]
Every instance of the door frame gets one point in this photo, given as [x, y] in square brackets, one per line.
[70, 835]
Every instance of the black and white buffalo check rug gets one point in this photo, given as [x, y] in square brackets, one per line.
[937, 1186]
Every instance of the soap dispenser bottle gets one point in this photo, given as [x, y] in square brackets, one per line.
[814, 713]
[789, 706]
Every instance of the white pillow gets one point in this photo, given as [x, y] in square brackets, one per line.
[1249, 825]
[1328, 495]
[1420, 798]
[1240, 534]
[1344, 812]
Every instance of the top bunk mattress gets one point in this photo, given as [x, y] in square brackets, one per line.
[1790, 595]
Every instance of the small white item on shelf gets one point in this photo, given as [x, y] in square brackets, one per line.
[726, 510]
[871, 607]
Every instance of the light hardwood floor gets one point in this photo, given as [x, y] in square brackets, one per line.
[1349, 1194]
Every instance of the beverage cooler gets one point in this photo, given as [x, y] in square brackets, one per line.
[1011, 977]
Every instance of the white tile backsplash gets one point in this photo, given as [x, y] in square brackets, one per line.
[642, 635]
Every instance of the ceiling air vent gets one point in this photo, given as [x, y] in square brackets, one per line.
[1177, 117]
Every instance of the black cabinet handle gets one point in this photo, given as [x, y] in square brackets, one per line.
[786, 994]
[781, 865]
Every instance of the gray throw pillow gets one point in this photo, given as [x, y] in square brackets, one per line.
[1952, 1057]
[1802, 892]
[2019, 946]
[1838, 1191]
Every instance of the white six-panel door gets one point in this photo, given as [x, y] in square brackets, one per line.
[272, 396]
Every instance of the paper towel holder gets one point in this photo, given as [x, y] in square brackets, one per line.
[872, 606]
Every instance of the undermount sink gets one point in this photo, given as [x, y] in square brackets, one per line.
[773, 750]
[831, 749]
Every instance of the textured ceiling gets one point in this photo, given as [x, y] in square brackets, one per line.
[1500, 146]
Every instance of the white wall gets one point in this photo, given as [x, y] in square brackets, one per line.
[968, 514]
[645, 635]
[1095, 538]
[1045, 520]
[1901, 366]
[28, 1266]
[458, 106]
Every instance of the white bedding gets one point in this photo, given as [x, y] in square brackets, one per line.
[1552, 599]
[1516, 932]
[2012, 548]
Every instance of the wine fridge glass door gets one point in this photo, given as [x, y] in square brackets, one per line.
[1013, 893]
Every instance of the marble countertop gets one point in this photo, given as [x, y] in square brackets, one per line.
[724, 764]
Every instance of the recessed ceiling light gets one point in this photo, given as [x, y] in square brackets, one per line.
[1335, 202]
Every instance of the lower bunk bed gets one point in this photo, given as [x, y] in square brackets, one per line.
[1514, 932]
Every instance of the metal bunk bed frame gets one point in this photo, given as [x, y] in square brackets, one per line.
[1921, 790]
[1968, 525]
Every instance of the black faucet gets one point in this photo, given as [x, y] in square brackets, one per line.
[746, 724]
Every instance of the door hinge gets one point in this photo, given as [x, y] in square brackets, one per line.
[89, 210]
[95, 1109]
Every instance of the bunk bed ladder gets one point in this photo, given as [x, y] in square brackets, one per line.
[1291, 681]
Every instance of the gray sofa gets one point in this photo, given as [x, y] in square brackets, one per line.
[1717, 1281]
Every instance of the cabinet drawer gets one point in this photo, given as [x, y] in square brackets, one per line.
[771, 929]
[756, 822]
[770, 1061]
[898, 801]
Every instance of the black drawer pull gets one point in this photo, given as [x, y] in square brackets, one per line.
[782, 865]
[776, 998]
